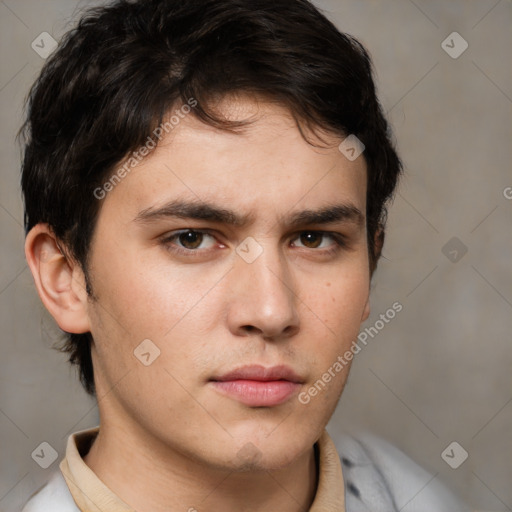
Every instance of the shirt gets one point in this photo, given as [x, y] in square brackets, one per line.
[369, 475]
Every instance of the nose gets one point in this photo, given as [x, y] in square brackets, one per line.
[263, 300]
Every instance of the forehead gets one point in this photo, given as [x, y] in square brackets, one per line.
[266, 167]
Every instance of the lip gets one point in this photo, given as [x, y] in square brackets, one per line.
[258, 386]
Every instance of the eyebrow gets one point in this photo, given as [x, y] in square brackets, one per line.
[205, 211]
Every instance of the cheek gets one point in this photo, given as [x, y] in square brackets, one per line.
[339, 301]
[145, 298]
[335, 308]
[138, 300]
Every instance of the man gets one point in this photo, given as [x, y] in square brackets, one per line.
[205, 186]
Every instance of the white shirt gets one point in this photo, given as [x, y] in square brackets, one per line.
[376, 477]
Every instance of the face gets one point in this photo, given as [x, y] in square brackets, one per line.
[242, 261]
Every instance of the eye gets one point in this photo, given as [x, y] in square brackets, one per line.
[317, 240]
[190, 240]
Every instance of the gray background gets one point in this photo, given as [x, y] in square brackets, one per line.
[441, 370]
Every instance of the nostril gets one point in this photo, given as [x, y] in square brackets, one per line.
[291, 329]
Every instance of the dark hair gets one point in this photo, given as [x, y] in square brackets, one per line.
[115, 77]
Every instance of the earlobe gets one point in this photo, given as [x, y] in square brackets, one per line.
[59, 281]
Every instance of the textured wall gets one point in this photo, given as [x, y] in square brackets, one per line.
[440, 371]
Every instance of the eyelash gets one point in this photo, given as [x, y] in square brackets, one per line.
[338, 238]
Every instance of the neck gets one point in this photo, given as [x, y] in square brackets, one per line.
[155, 478]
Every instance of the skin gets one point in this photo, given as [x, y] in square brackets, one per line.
[169, 440]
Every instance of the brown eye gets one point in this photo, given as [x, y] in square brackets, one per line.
[320, 242]
[311, 239]
[189, 242]
[190, 239]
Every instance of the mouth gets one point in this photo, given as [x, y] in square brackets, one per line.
[257, 386]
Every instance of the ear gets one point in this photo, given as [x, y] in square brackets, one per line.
[60, 281]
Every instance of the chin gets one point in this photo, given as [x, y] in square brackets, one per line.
[258, 449]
